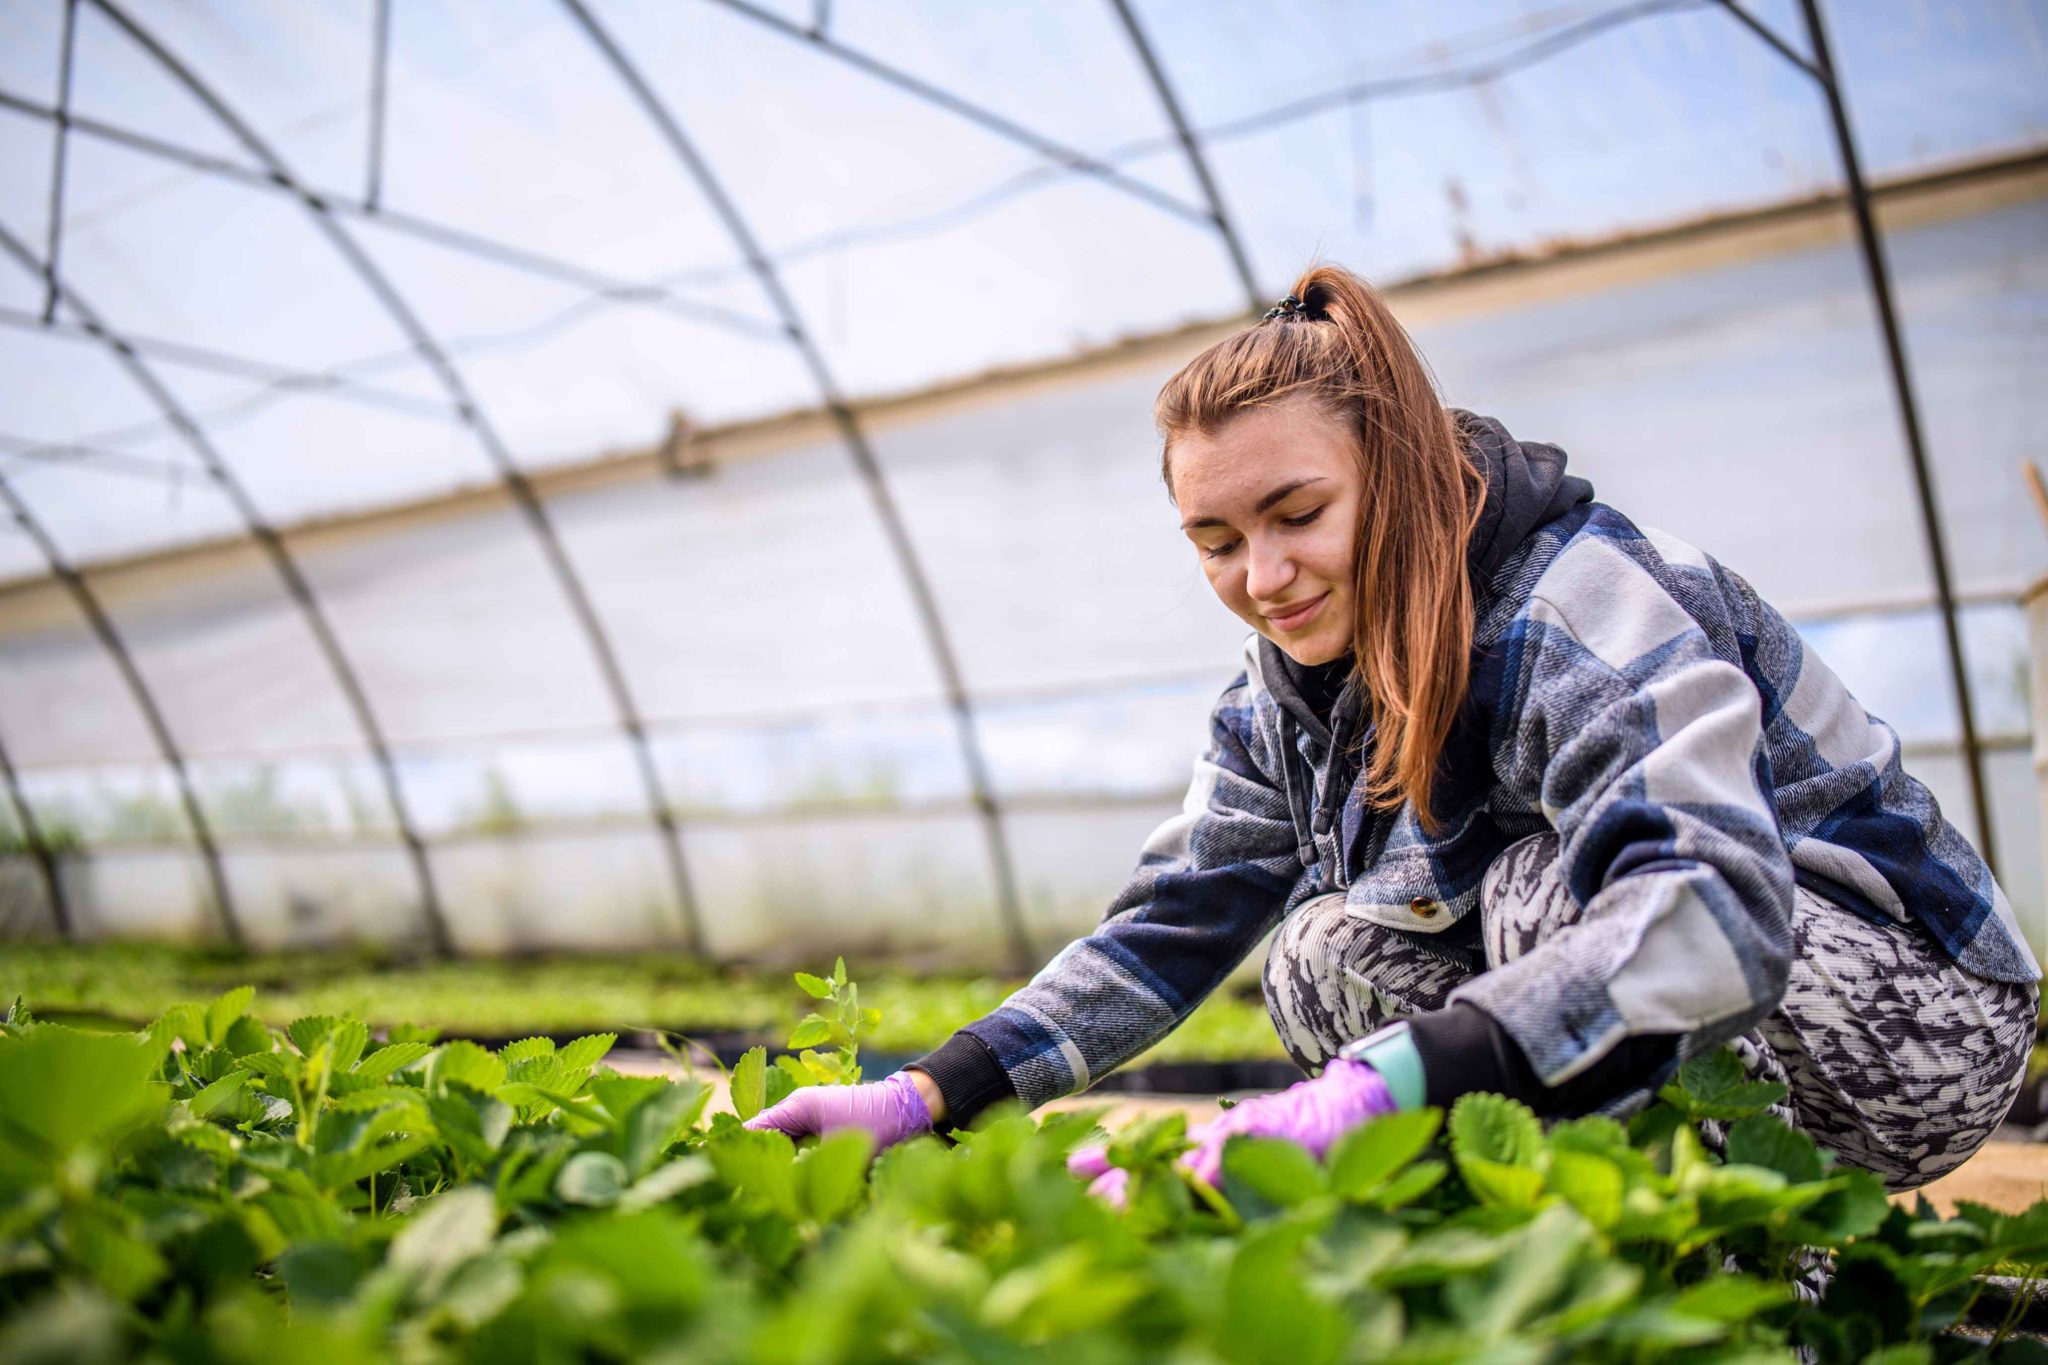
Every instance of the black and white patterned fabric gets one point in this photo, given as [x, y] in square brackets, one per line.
[1897, 1059]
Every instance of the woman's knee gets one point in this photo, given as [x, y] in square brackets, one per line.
[1901, 1062]
[1522, 898]
[1331, 977]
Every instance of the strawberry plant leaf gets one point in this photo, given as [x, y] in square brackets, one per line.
[1410, 1185]
[390, 1058]
[217, 1094]
[1730, 1299]
[1150, 1141]
[815, 987]
[525, 1049]
[1280, 1172]
[1714, 1086]
[660, 1122]
[750, 1082]
[1496, 1129]
[1764, 1140]
[831, 1175]
[666, 1181]
[1269, 1313]
[69, 1097]
[447, 1231]
[1590, 1183]
[307, 1032]
[467, 1062]
[222, 1013]
[587, 1051]
[1499, 1185]
[246, 1035]
[474, 1123]
[760, 1167]
[783, 1079]
[107, 1249]
[811, 1032]
[592, 1179]
[1371, 1154]
[621, 1095]
[271, 1065]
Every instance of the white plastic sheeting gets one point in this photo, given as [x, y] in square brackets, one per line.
[571, 279]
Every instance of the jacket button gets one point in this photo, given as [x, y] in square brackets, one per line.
[1423, 907]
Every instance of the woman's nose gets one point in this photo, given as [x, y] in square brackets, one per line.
[1268, 571]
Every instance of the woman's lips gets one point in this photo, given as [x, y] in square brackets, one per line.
[1299, 617]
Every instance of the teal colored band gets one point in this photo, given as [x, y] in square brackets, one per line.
[1399, 1064]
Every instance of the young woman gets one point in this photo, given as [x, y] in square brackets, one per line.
[1542, 803]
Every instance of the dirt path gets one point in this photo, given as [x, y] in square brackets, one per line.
[2006, 1175]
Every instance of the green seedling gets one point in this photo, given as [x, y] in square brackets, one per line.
[211, 1188]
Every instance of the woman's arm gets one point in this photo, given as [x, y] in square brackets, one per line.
[928, 1091]
[1209, 884]
[1645, 749]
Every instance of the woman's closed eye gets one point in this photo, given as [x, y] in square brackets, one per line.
[1218, 551]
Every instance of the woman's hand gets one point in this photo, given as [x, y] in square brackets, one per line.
[890, 1110]
[1314, 1113]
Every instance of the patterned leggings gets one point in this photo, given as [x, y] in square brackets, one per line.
[1898, 1061]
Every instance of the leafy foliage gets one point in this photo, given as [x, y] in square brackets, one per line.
[132, 980]
[211, 1188]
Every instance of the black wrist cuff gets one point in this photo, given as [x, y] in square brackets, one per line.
[1461, 1050]
[967, 1075]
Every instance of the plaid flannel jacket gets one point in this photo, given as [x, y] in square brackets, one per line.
[1694, 758]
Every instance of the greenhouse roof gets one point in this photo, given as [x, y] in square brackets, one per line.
[375, 253]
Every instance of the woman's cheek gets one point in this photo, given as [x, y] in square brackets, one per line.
[1229, 590]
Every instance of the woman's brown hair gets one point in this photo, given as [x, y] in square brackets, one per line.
[1412, 629]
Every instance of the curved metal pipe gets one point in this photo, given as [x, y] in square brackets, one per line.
[110, 639]
[1193, 150]
[67, 59]
[38, 847]
[287, 568]
[649, 294]
[1879, 274]
[870, 469]
[981, 116]
[1870, 242]
[514, 480]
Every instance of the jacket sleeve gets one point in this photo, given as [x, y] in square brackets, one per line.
[1209, 883]
[1645, 751]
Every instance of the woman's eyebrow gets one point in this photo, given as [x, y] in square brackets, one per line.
[1276, 496]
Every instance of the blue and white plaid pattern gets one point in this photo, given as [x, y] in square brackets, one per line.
[1695, 760]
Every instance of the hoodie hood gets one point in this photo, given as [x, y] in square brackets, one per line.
[1526, 486]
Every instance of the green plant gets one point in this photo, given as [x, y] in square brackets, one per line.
[131, 982]
[212, 1188]
[756, 1085]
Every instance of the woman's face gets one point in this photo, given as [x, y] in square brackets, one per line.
[1271, 501]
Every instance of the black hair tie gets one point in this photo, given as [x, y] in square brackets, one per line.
[1289, 307]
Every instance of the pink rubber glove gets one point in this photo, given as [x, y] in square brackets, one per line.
[1314, 1113]
[891, 1110]
[1108, 1183]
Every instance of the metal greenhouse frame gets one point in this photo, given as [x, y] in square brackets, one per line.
[66, 313]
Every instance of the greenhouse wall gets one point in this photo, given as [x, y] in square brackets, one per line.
[1722, 382]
